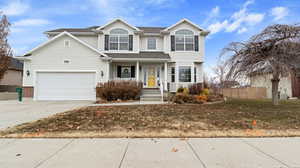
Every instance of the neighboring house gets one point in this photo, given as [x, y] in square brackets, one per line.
[70, 64]
[13, 76]
[289, 86]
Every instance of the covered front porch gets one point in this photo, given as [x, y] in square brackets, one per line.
[151, 74]
[151, 68]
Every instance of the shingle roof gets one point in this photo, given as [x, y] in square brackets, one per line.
[151, 29]
[151, 55]
[15, 64]
[90, 29]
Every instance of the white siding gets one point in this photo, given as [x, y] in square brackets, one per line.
[285, 85]
[52, 56]
[91, 40]
[106, 30]
[144, 43]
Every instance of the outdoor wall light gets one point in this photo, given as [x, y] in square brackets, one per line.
[28, 73]
[102, 74]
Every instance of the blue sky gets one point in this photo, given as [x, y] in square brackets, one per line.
[228, 20]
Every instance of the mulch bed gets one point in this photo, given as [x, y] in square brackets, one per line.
[232, 118]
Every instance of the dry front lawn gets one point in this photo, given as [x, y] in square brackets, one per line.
[234, 118]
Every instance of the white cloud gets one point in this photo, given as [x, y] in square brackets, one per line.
[242, 30]
[279, 12]
[131, 10]
[215, 11]
[239, 20]
[211, 15]
[31, 22]
[217, 27]
[14, 8]
[254, 18]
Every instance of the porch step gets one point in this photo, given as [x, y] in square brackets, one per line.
[151, 95]
[151, 91]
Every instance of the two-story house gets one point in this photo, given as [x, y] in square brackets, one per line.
[70, 64]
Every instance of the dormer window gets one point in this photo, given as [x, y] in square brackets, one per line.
[118, 39]
[184, 40]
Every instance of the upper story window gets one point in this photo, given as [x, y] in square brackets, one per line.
[151, 43]
[118, 39]
[184, 40]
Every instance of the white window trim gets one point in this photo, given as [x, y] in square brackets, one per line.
[148, 43]
[184, 43]
[118, 42]
[191, 75]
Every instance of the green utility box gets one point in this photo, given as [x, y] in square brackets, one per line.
[20, 93]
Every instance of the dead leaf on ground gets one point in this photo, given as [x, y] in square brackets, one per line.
[174, 150]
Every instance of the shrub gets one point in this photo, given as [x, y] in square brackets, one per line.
[201, 98]
[180, 90]
[183, 90]
[195, 89]
[119, 90]
[182, 98]
[205, 92]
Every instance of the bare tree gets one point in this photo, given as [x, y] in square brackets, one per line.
[220, 73]
[276, 49]
[5, 50]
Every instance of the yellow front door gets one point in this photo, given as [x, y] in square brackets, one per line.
[151, 77]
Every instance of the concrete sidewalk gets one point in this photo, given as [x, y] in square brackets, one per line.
[150, 153]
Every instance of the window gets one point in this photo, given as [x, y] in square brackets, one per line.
[151, 43]
[173, 74]
[184, 40]
[125, 72]
[118, 39]
[184, 74]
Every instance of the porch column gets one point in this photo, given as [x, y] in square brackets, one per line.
[137, 71]
[166, 76]
[107, 74]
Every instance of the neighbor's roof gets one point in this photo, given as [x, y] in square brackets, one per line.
[15, 64]
[141, 55]
[92, 28]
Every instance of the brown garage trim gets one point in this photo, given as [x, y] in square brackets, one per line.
[28, 91]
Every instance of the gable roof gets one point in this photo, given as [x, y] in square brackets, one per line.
[145, 29]
[151, 29]
[182, 21]
[67, 34]
[87, 29]
[118, 20]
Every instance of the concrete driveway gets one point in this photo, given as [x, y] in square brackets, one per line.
[149, 153]
[13, 112]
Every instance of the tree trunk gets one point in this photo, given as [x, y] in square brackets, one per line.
[275, 83]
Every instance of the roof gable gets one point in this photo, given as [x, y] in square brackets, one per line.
[118, 20]
[184, 21]
[61, 35]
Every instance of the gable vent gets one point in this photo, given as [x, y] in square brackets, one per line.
[67, 43]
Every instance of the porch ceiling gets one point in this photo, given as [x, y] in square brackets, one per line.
[147, 56]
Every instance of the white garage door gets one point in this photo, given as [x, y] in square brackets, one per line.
[65, 86]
